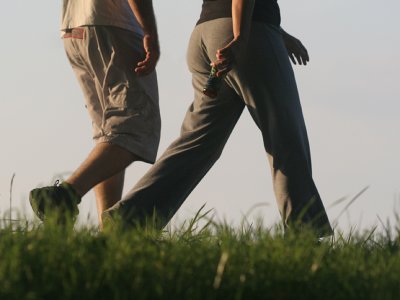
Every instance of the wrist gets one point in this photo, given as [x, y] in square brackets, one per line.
[237, 38]
[152, 39]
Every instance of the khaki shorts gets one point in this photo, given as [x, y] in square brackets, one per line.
[123, 107]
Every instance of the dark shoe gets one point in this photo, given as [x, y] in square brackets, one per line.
[60, 199]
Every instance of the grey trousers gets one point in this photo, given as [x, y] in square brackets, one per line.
[263, 81]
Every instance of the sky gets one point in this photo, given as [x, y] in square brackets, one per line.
[350, 94]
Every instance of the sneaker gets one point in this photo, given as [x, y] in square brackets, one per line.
[60, 198]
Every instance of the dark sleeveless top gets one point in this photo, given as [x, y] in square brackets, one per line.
[266, 11]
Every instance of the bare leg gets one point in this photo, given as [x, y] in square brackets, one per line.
[109, 192]
[105, 161]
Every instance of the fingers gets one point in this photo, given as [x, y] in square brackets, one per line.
[224, 70]
[225, 58]
[299, 58]
[306, 56]
[223, 64]
[224, 54]
[152, 51]
[299, 53]
[303, 53]
[291, 56]
[227, 50]
[146, 66]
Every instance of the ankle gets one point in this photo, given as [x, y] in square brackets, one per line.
[75, 188]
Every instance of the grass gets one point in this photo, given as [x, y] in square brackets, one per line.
[209, 261]
[214, 261]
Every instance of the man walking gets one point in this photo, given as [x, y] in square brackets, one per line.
[259, 77]
[113, 49]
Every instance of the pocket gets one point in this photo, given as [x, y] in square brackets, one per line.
[127, 95]
[117, 96]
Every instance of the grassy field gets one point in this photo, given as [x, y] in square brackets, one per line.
[211, 262]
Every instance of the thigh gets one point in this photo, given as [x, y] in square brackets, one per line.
[87, 81]
[207, 114]
[263, 78]
[272, 98]
[268, 72]
[131, 104]
[124, 107]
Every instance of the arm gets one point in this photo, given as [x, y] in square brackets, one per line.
[238, 11]
[144, 13]
[295, 49]
[242, 11]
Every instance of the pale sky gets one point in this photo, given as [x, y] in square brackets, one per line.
[350, 95]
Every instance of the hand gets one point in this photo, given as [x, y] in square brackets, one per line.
[295, 49]
[152, 50]
[225, 58]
